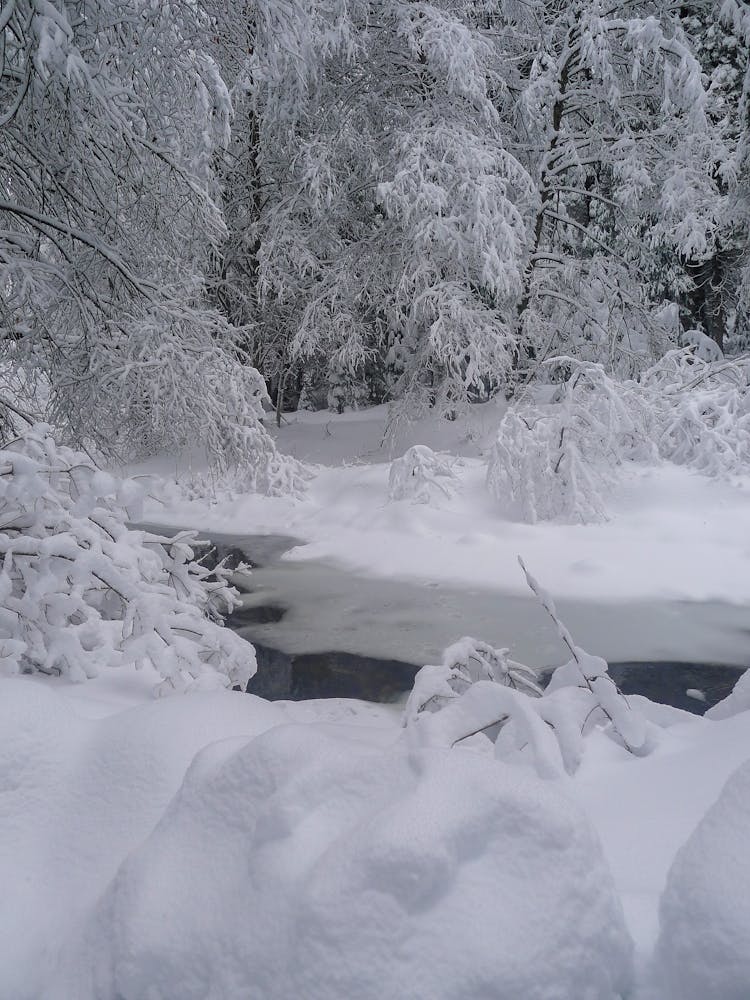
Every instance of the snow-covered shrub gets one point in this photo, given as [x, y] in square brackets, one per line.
[559, 461]
[704, 348]
[462, 698]
[464, 663]
[418, 474]
[704, 912]
[215, 407]
[80, 590]
[700, 411]
[270, 472]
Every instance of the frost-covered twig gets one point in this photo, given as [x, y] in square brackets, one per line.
[594, 674]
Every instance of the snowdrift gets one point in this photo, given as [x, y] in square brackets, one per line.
[76, 796]
[308, 865]
[704, 946]
[318, 861]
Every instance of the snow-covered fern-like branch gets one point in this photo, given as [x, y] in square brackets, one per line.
[80, 590]
[464, 663]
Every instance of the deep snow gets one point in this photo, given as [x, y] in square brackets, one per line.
[215, 845]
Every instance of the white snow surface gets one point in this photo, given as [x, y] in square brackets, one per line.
[77, 795]
[704, 945]
[214, 845]
[672, 533]
[207, 846]
[306, 864]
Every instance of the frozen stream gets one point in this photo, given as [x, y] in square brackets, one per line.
[314, 607]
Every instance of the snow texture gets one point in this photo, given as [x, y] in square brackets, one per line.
[77, 796]
[307, 864]
[704, 945]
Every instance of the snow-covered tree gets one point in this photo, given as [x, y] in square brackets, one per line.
[612, 126]
[381, 215]
[720, 33]
[111, 118]
[558, 461]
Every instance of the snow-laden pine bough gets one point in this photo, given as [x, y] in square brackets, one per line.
[478, 690]
[80, 589]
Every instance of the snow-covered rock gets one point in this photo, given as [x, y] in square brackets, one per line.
[704, 944]
[308, 864]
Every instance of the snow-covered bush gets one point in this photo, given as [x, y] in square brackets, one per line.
[80, 590]
[463, 698]
[464, 663]
[418, 474]
[703, 347]
[700, 411]
[559, 461]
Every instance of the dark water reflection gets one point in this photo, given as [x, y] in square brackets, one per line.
[282, 676]
[667, 683]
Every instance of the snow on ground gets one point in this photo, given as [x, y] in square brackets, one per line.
[304, 864]
[672, 533]
[218, 846]
[666, 577]
[704, 946]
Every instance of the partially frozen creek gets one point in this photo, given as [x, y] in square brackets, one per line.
[297, 609]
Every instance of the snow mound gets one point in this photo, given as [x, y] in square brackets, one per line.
[76, 796]
[735, 702]
[306, 864]
[704, 945]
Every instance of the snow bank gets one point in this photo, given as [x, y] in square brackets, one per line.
[76, 796]
[306, 864]
[736, 702]
[704, 945]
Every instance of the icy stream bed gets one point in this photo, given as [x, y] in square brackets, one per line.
[318, 624]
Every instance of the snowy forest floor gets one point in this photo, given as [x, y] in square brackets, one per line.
[215, 845]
